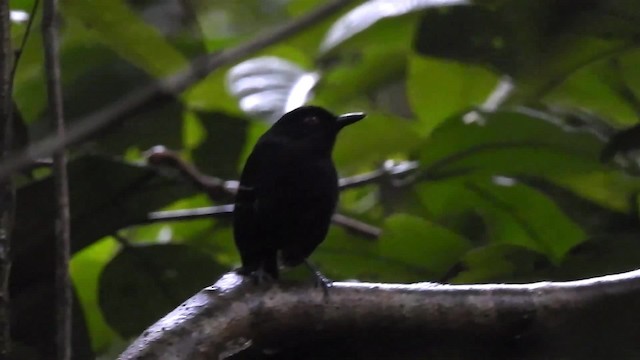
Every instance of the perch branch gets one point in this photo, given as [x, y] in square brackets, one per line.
[140, 99]
[233, 314]
[61, 185]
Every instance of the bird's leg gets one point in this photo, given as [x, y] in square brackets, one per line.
[262, 276]
[321, 280]
[259, 275]
[263, 270]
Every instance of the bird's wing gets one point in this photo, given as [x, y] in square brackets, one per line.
[248, 221]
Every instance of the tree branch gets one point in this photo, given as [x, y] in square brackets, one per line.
[7, 189]
[550, 318]
[140, 99]
[220, 190]
[63, 228]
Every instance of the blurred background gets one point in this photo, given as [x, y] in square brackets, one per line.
[500, 138]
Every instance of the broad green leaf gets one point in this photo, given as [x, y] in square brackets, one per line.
[210, 94]
[24, 5]
[128, 35]
[418, 242]
[167, 274]
[373, 140]
[509, 143]
[518, 215]
[587, 88]
[381, 16]
[438, 89]
[343, 256]
[599, 88]
[499, 263]
[219, 21]
[538, 43]
[512, 213]
[85, 268]
[374, 67]
[600, 203]
[105, 196]
[159, 124]
[225, 137]
[611, 253]
[611, 189]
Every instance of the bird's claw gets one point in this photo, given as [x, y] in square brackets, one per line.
[323, 282]
[320, 280]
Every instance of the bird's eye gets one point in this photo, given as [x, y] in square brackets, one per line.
[311, 120]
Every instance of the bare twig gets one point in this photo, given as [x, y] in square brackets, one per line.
[63, 228]
[356, 226]
[7, 190]
[222, 211]
[226, 211]
[138, 100]
[216, 188]
[560, 317]
[220, 190]
[392, 171]
[25, 37]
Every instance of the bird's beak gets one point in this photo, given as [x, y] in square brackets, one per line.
[349, 118]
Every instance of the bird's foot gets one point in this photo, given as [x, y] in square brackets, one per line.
[320, 280]
[258, 276]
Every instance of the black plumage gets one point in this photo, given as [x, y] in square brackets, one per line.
[288, 190]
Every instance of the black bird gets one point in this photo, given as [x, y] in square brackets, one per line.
[288, 191]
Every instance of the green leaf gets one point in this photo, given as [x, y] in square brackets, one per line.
[143, 283]
[438, 89]
[219, 153]
[114, 23]
[600, 203]
[159, 124]
[375, 66]
[518, 215]
[416, 241]
[538, 43]
[105, 196]
[85, 268]
[381, 13]
[610, 253]
[375, 139]
[347, 256]
[512, 213]
[542, 144]
[599, 88]
[499, 263]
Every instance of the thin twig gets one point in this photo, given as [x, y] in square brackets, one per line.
[25, 37]
[221, 211]
[216, 188]
[393, 171]
[220, 190]
[226, 211]
[63, 229]
[7, 189]
[356, 226]
[138, 100]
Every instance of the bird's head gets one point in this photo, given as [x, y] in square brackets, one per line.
[313, 126]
